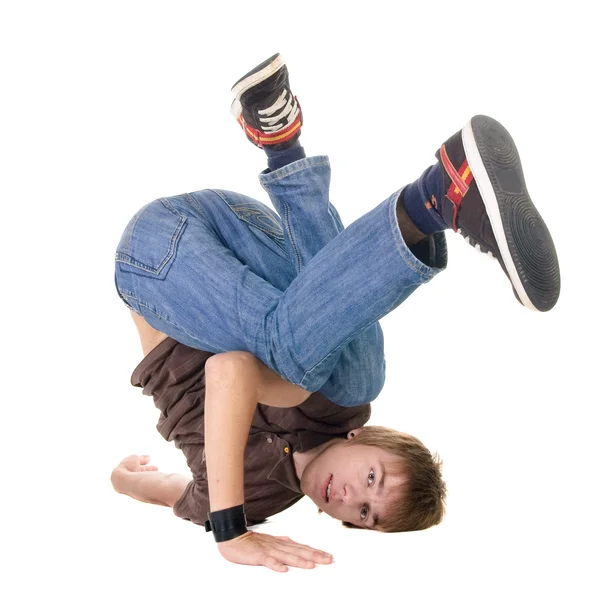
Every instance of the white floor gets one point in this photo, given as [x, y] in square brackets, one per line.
[111, 106]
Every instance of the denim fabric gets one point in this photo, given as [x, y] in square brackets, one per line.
[219, 271]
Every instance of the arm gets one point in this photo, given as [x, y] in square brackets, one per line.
[235, 383]
[146, 483]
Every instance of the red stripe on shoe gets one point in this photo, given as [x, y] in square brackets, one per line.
[465, 174]
[452, 172]
[272, 138]
[277, 137]
[454, 194]
[461, 181]
[282, 135]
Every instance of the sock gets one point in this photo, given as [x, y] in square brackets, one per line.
[417, 200]
[278, 157]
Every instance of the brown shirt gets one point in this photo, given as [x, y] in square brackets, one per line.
[174, 375]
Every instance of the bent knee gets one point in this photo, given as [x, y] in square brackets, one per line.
[373, 388]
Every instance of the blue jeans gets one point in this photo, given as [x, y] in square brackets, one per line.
[219, 271]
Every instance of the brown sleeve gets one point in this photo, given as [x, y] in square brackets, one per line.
[263, 497]
[194, 504]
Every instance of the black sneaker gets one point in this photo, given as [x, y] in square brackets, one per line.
[486, 201]
[265, 107]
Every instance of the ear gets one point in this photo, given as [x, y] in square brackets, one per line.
[354, 433]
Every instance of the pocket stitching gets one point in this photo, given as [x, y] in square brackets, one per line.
[124, 258]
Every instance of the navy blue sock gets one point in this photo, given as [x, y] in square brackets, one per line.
[278, 158]
[418, 203]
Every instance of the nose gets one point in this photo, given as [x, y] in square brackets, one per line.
[347, 495]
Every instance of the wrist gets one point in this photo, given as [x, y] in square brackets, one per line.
[234, 540]
[227, 524]
[118, 479]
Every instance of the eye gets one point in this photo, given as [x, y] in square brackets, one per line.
[365, 511]
[373, 474]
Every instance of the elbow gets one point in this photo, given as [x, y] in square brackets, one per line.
[229, 362]
[242, 371]
[229, 368]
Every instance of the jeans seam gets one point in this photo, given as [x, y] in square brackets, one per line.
[357, 334]
[345, 342]
[167, 204]
[125, 296]
[173, 324]
[270, 232]
[196, 204]
[291, 237]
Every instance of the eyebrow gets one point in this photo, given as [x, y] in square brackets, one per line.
[379, 492]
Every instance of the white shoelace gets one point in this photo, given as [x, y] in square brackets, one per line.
[289, 113]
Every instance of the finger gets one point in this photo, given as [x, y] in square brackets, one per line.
[274, 564]
[150, 468]
[317, 556]
[292, 559]
[306, 552]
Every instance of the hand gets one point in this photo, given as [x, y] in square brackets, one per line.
[136, 463]
[131, 464]
[271, 551]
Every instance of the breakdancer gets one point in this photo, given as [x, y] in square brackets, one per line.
[260, 328]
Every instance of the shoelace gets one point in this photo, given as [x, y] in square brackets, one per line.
[289, 113]
[477, 246]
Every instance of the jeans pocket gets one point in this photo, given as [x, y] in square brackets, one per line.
[149, 243]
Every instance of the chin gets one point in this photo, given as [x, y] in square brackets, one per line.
[317, 501]
[304, 487]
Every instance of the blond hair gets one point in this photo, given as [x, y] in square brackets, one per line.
[421, 501]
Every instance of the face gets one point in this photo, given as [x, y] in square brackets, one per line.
[356, 473]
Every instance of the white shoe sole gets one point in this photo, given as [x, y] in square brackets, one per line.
[529, 256]
[245, 84]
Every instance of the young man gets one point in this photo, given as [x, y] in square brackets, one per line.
[261, 336]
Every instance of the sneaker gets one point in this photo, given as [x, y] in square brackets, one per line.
[486, 201]
[265, 107]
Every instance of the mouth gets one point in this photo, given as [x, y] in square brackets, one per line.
[326, 488]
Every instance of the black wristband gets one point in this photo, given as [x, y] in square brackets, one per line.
[227, 524]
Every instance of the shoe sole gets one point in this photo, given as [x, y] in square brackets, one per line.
[254, 77]
[525, 244]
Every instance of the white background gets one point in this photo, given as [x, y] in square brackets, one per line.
[109, 105]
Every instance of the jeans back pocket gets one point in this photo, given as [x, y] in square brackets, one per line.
[149, 242]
